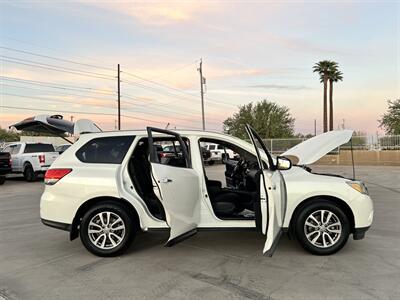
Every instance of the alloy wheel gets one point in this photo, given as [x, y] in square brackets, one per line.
[323, 228]
[106, 230]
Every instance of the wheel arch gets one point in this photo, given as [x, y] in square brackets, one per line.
[337, 201]
[74, 233]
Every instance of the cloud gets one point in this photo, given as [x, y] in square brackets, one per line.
[280, 87]
[156, 13]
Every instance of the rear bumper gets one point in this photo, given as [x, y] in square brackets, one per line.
[58, 225]
[359, 233]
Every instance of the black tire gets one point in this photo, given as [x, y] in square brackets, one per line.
[29, 174]
[305, 212]
[2, 180]
[210, 162]
[119, 210]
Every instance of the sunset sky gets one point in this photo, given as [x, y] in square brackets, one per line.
[251, 50]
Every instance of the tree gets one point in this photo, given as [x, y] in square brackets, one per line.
[269, 119]
[8, 136]
[391, 119]
[334, 75]
[322, 68]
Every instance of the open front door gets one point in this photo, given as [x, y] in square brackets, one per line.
[177, 185]
[272, 195]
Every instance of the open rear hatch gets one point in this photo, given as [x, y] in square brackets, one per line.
[56, 125]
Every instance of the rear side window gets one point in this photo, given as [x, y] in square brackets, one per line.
[106, 150]
[34, 148]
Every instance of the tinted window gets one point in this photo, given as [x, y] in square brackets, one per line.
[171, 155]
[211, 147]
[107, 150]
[220, 147]
[34, 148]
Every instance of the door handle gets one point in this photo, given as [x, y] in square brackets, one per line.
[166, 180]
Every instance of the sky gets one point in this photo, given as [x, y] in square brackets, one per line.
[61, 57]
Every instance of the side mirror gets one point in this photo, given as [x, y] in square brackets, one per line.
[283, 163]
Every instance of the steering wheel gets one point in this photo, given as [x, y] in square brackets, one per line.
[240, 168]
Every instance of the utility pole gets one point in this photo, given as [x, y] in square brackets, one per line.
[119, 99]
[202, 82]
[315, 127]
[343, 127]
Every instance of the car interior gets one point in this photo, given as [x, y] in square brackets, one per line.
[235, 199]
[238, 197]
[139, 169]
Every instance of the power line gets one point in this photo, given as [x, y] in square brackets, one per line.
[92, 105]
[51, 49]
[55, 58]
[177, 69]
[85, 113]
[55, 68]
[155, 90]
[173, 88]
[60, 86]
[54, 100]
[48, 91]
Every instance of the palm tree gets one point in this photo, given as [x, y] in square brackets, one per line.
[334, 76]
[322, 68]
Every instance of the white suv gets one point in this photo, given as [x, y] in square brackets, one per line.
[107, 186]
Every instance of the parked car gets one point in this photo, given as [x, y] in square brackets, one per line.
[61, 148]
[5, 166]
[219, 152]
[31, 159]
[108, 186]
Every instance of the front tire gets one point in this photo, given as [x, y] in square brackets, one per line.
[107, 229]
[29, 174]
[322, 228]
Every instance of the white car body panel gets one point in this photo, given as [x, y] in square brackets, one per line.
[60, 202]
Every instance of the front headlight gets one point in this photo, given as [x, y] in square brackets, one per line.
[358, 186]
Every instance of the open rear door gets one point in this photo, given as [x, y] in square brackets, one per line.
[178, 187]
[273, 199]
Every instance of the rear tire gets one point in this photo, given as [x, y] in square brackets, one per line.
[29, 174]
[322, 228]
[107, 229]
[210, 162]
[2, 180]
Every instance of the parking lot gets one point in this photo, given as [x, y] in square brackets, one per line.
[38, 262]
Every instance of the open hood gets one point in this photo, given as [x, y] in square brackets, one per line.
[316, 147]
[57, 125]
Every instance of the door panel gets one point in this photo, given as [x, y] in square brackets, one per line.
[272, 195]
[276, 209]
[179, 190]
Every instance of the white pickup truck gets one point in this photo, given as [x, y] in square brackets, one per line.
[219, 153]
[31, 159]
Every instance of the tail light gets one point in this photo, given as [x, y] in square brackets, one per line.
[42, 158]
[52, 176]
